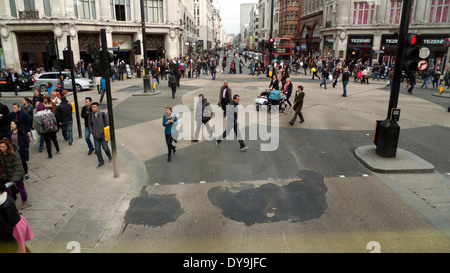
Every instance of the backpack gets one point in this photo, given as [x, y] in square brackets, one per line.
[48, 123]
[173, 79]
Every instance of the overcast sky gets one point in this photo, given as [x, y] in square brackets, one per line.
[230, 13]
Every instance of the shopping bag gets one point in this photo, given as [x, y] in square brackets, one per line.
[35, 137]
[107, 135]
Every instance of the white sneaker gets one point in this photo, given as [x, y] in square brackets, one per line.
[244, 148]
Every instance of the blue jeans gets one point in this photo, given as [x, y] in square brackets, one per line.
[102, 92]
[41, 143]
[67, 131]
[324, 82]
[376, 75]
[344, 84]
[104, 144]
[87, 137]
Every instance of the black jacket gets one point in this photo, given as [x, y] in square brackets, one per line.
[4, 125]
[63, 112]
[9, 212]
[22, 118]
[24, 144]
[85, 112]
[275, 84]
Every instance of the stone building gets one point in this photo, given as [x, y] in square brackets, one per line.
[27, 25]
[310, 26]
[367, 30]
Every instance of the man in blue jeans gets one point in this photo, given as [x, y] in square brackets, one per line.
[97, 122]
[64, 119]
[325, 75]
[85, 112]
[345, 80]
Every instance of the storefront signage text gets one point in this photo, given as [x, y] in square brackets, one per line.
[361, 41]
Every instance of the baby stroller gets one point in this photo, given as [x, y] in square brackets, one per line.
[262, 99]
[271, 97]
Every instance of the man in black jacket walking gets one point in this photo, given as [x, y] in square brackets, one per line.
[85, 112]
[64, 119]
[232, 123]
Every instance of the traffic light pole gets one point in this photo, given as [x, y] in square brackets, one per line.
[398, 67]
[74, 88]
[271, 29]
[107, 77]
[147, 86]
[387, 132]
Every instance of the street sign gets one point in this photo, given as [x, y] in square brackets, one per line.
[424, 52]
[447, 42]
[422, 65]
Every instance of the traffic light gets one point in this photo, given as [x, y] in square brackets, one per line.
[91, 50]
[51, 49]
[67, 56]
[137, 47]
[270, 44]
[411, 52]
[97, 66]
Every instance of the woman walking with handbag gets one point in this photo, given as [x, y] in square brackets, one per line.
[18, 137]
[12, 170]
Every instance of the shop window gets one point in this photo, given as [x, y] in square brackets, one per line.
[439, 11]
[363, 13]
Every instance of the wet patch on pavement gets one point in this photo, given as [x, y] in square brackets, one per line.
[298, 201]
[153, 210]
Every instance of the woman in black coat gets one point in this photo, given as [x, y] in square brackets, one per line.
[274, 83]
[18, 137]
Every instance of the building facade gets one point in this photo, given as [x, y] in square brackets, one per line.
[369, 30]
[289, 17]
[27, 25]
[310, 25]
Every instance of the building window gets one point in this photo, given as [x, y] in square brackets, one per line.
[154, 11]
[396, 11]
[47, 8]
[439, 11]
[29, 5]
[12, 4]
[83, 9]
[363, 13]
[120, 9]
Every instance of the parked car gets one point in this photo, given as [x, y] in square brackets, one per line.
[25, 83]
[46, 77]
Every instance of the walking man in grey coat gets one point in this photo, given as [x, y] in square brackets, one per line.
[97, 122]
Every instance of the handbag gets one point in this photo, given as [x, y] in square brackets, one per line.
[330, 77]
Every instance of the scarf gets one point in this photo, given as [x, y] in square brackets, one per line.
[172, 115]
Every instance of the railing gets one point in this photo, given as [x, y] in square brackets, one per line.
[29, 14]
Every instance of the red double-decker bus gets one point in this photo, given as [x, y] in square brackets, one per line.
[282, 48]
